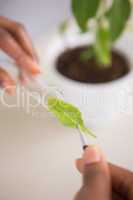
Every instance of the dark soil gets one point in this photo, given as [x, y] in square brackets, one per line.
[70, 64]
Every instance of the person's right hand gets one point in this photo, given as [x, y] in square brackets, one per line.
[103, 181]
[15, 42]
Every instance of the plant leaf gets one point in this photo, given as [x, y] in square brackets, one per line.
[67, 114]
[63, 26]
[118, 15]
[87, 54]
[83, 10]
[103, 44]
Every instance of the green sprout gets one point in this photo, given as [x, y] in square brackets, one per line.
[109, 23]
[63, 26]
[68, 115]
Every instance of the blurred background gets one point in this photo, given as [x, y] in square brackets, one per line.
[38, 16]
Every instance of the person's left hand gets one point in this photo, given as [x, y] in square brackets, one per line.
[16, 43]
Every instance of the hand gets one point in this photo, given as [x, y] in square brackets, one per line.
[103, 181]
[15, 41]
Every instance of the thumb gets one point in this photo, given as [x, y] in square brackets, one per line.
[96, 177]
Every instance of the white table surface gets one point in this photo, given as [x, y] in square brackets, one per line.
[37, 153]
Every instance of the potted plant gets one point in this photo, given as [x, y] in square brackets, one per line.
[90, 62]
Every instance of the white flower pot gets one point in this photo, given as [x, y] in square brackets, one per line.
[100, 103]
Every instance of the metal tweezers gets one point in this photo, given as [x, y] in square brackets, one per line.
[83, 140]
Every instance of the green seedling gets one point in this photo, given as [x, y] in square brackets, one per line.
[109, 22]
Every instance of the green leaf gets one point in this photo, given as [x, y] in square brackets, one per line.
[63, 26]
[83, 10]
[67, 114]
[87, 54]
[118, 15]
[103, 45]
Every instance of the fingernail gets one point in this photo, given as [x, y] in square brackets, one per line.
[34, 69]
[92, 155]
[29, 65]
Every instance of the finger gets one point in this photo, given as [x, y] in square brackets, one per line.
[122, 181]
[20, 34]
[79, 165]
[23, 78]
[96, 177]
[10, 46]
[7, 82]
[116, 196]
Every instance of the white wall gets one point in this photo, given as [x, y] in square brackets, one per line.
[38, 15]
